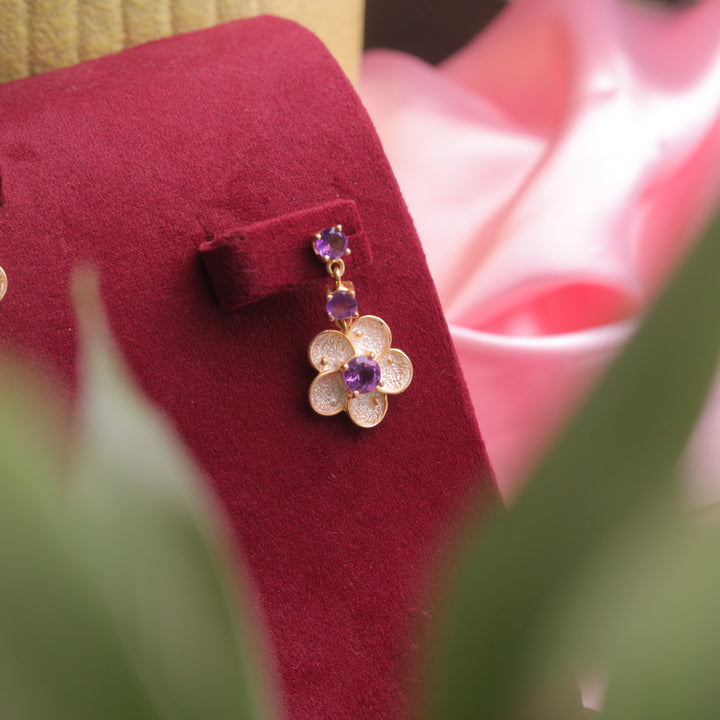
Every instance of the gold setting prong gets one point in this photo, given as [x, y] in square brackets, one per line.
[326, 258]
[356, 394]
[328, 297]
[339, 228]
[352, 293]
[324, 360]
[348, 251]
[344, 366]
[372, 355]
[356, 315]
[318, 236]
[381, 384]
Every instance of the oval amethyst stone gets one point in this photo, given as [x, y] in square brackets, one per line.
[342, 305]
[332, 242]
[362, 375]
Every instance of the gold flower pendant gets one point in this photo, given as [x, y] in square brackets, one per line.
[357, 367]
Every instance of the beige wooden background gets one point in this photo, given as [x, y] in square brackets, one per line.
[40, 35]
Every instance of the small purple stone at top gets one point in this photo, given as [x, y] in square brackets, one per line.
[331, 243]
[362, 375]
[342, 305]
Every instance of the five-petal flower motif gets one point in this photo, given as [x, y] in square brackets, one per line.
[357, 371]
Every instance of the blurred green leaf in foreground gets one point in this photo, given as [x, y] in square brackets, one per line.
[597, 565]
[118, 595]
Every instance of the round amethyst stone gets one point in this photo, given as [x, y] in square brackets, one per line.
[342, 305]
[332, 242]
[362, 375]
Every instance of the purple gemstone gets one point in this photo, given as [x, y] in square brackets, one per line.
[342, 305]
[362, 375]
[332, 242]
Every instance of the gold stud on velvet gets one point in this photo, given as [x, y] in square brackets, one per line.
[357, 367]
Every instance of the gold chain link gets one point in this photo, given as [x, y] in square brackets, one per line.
[335, 269]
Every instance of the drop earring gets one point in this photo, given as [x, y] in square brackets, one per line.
[357, 367]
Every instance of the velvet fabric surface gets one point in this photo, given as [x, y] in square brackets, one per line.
[237, 262]
[130, 164]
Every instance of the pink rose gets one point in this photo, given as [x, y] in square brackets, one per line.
[556, 168]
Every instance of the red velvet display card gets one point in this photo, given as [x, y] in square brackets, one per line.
[243, 140]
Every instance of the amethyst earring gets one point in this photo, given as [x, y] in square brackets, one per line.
[357, 367]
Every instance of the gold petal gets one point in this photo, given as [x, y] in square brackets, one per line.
[396, 371]
[328, 393]
[367, 410]
[370, 334]
[332, 347]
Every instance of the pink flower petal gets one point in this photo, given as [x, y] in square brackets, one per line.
[556, 168]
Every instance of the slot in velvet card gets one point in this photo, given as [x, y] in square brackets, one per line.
[236, 144]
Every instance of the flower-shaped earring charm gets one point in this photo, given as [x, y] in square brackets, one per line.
[358, 370]
[357, 367]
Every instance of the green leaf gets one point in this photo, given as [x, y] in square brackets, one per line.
[593, 621]
[646, 613]
[61, 657]
[615, 457]
[161, 546]
[668, 653]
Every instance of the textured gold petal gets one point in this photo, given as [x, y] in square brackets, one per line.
[396, 371]
[328, 393]
[332, 346]
[370, 334]
[367, 410]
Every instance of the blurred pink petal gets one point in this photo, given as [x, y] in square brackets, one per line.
[556, 168]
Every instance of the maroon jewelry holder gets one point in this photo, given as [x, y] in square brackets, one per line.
[191, 172]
